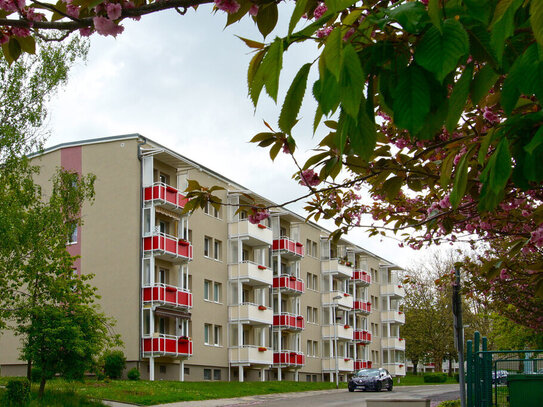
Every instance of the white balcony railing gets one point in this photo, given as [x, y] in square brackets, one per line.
[255, 274]
[396, 317]
[335, 267]
[344, 332]
[394, 290]
[395, 369]
[255, 234]
[344, 300]
[344, 364]
[250, 354]
[393, 343]
[250, 313]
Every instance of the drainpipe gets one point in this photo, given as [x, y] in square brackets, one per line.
[140, 329]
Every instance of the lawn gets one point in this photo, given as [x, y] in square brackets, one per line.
[149, 393]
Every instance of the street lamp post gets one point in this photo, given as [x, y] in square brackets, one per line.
[335, 299]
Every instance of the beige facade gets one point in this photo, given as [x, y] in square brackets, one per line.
[212, 296]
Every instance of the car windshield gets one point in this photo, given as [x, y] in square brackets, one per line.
[367, 373]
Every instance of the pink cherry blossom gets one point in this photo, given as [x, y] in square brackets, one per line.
[253, 10]
[20, 31]
[490, 115]
[230, 6]
[309, 178]
[72, 11]
[258, 215]
[325, 32]
[105, 26]
[85, 32]
[114, 10]
[320, 10]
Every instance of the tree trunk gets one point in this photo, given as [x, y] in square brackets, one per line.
[450, 367]
[29, 370]
[415, 364]
[42, 387]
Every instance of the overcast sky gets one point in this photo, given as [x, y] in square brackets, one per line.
[181, 81]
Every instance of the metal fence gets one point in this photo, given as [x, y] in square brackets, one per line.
[487, 371]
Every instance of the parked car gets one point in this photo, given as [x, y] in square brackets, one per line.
[371, 379]
[499, 377]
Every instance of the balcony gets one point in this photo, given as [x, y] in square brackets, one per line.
[361, 277]
[362, 364]
[395, 317]
[345, 302]
[362, 336]
[395, 369]
[252, 235]
[288, 358]
[362, 306]
[250, 355]
[288, 285]
[252, 314]
[289, 322]
[394, 290]
[164, 195]
[337, 268]
[344, 364]
[344, 332]
[289, 249]
[251, 273]
[167, 247]
[166, 345]
[393, 343]
[167, 296]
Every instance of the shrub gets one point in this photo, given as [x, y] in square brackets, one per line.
[435, 378]
[449, 403]
[133, 374]
[457, 377]
[17, 392]
[114, 364]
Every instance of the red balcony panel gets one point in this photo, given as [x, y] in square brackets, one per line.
[165, 193]
[289, 358]
[289, 283]
[362, 364]
[168, 244]
[362, 306]
[288, 245]
[168, 295]
[289, 321]
[173, 346]
[359, 275]
[362, 336]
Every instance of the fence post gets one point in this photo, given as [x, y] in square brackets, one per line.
[469, 373]
[476, 370]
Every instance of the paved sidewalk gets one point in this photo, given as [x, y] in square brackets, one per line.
[231, 402]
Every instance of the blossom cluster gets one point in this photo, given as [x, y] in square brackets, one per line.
[258, 215]
[309, 178]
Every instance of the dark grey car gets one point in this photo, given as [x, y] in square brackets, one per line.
[371, 379]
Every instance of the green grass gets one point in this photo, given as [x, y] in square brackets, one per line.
[56, 399]
[148, 393]
[418, 380]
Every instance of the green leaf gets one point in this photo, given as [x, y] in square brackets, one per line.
[434, 11]
[332, 52]
[483, 149]
[262, 137]
[500, 10]
[315, 159]
[411, 99]
[439, 53]
[483, 81]
[14, 48]
[270, 68]
[364, 139]
[536, 141]
[243, 9]
[251, 43]
[193, 185]
[326, 92]
[501, 167]
[28, 44]
[411, 16]
[536, 19]
[446, 170]
[460, 181]
[317, 119]
[459, 96]
[503, 29]
[293, 100]
[275, 150]
[352, 81]
[338, 5]
[298, 12]
[6, 53]
[255, 83]
[266, 19]
[392, 187]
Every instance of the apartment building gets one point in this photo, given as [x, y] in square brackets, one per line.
[212, 296]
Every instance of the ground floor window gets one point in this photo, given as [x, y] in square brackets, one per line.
[207, 374]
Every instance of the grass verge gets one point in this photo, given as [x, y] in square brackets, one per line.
[56, 399]
[418, 380]
[148, 393]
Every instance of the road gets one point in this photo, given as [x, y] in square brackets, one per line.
[331, 398]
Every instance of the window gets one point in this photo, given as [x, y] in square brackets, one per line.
[309, 281]
[207, 336]
[211, 210]
[315, 252]
[187, 370]
[162, 368]
[309, 314]
[217, 288]
[207, 290]
[315, 282]
[207, 246]
[163, 227]
[207, 374]
[72, 239]
[165, 179]
[217, 249]
[216, 374]
[162, 325]
[217, 336]
[163, 276]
